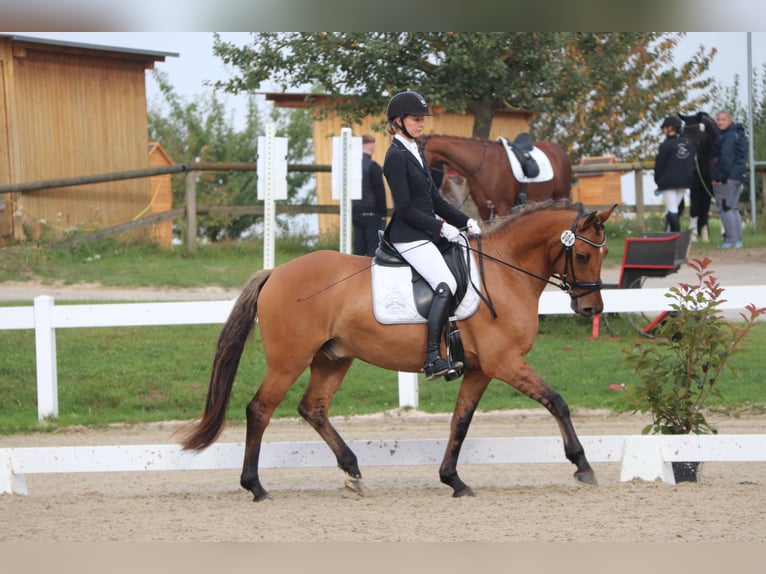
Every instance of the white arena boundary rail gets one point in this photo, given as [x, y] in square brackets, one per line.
[646, 457]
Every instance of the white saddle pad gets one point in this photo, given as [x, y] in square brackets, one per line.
[393, 302]
[546, 169]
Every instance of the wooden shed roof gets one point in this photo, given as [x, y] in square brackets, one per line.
[77, 47]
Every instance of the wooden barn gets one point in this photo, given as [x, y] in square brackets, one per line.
[505, 123]
[70, 110]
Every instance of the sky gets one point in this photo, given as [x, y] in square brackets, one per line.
[196, 64]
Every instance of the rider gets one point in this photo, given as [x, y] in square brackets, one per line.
[422, 219]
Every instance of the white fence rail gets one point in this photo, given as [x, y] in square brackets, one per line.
[645, 457]
[45, 317]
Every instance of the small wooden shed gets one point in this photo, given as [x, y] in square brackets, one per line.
[505, 123]
[598, 188]
[70, 110]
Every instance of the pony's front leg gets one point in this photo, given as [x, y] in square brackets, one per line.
[527, 381]
[471, 390]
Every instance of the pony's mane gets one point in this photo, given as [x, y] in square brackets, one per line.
[549, 204]
[461, 138]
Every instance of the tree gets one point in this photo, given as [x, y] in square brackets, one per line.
[594, 93]
[201, 131]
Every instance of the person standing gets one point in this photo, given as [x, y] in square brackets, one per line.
[368, 215]
[673, 170]
[727, 170]
[422, 220]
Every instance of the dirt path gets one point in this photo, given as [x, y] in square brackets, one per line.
[513, 503]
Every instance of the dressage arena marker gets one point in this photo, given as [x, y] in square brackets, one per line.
[646, 457]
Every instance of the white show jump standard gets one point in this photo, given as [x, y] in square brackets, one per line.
[647, 457]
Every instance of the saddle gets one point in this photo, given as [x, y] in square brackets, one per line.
[522, 148]
[386, 255]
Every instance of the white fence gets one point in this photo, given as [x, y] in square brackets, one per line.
[45, 317]
[646, 457]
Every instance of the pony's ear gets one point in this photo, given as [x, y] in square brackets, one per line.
[604, 215]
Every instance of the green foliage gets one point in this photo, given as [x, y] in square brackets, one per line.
[594, 93]
[680, 371]
[201, 131]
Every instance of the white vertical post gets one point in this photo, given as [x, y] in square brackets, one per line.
[346, 181]
[272, 185]
[45, 353]
[408, 390]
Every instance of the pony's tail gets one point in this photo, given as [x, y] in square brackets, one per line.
[231, 344]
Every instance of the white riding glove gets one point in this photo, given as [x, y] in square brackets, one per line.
[473, 227]
[450, 232]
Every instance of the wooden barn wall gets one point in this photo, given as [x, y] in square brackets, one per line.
[504, 124]
[5, 175]
[77, 115]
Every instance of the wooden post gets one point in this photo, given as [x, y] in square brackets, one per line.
[191, 212]
[639, 185]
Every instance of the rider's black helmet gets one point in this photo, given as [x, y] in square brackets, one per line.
[673, 122]
[407, 103]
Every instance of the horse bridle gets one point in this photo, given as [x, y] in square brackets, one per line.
[568, 238]
[465, 175]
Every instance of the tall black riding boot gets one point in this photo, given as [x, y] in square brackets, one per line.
[435, 366]
[674, 221]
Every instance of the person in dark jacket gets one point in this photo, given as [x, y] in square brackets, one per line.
[368, 214]
[727, 170]
[422, 219]
[673, 170]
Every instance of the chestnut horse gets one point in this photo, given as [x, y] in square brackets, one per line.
[491, 183]
[316, 312]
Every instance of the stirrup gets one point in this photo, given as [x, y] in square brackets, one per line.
[440, 367]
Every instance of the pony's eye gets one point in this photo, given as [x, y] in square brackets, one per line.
[581, 258]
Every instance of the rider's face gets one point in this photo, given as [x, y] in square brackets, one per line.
[414, 125]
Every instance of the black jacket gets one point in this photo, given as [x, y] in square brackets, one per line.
[729, 154]
[674, 164]
[416, 199]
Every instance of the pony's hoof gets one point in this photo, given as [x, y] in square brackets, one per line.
[261, 497]
[587, 477]
[355, 485]
[465, 491]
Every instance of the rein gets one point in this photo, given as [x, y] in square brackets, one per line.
[568, 239]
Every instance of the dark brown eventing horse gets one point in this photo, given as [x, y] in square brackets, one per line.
[316, 312]
[701, 130]
[491, 183]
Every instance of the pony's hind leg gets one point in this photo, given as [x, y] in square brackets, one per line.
[326, 377]
[259, 411]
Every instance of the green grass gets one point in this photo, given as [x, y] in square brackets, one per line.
[140, 374]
